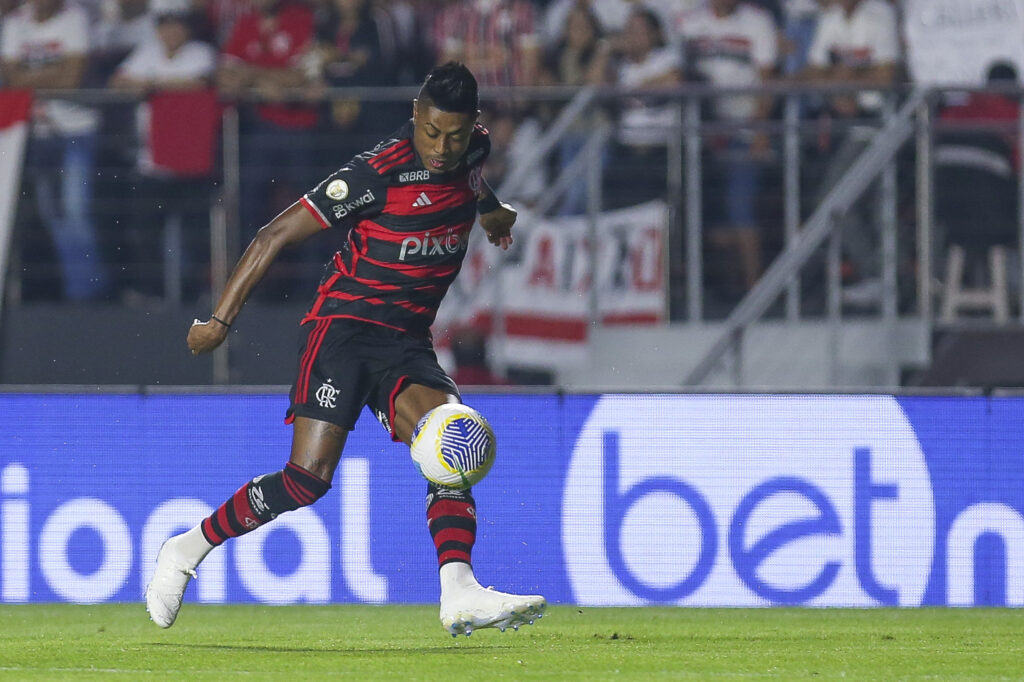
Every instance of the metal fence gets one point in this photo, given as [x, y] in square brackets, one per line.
[173, 239]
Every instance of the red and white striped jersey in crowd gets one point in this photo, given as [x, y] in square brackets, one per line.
[496, 39]
[731, 51]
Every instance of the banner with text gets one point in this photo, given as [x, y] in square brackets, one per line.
[544, 295]
[954, 42]
[707, 500]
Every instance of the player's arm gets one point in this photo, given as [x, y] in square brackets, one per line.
[496, 217]
[292, 226]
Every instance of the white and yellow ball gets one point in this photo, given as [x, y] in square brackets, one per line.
[453, 446]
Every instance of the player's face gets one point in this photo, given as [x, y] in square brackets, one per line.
[440, 137]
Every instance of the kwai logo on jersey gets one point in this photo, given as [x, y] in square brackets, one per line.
[430, 244]
[756, 501]
[342, 210]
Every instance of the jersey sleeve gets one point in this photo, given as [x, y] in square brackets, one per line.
[479, 147]
[352, 191]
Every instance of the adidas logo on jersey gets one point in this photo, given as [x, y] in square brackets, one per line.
[422, 200]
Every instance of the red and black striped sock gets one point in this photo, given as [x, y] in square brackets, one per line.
[451, 517]
[261, 500]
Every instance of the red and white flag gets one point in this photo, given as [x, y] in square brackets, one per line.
[183, 128]
[14, 122]
[545, 300]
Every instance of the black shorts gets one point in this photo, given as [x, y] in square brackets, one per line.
[344, 365]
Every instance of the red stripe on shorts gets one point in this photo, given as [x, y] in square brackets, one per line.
[391, 406]
[316, 338]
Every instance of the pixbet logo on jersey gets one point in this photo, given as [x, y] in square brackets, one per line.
[753, 505]
[432, 245]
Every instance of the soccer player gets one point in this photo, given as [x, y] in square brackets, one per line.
[408, 206]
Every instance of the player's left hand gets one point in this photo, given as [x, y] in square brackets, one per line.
[498, 225]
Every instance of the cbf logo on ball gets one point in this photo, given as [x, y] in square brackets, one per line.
[747, 501]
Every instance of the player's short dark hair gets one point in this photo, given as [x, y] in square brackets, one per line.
[451, 87]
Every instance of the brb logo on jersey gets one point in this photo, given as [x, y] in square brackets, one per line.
[432, 245]
[818, 501]
[414, 176]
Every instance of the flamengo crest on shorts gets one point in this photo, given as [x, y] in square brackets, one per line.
[326, 394]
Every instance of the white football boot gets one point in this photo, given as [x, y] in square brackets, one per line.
[467, 606]
[175, 566]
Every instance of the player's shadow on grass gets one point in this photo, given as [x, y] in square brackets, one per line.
[311, 650]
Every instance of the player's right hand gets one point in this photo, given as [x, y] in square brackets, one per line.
[203, 337]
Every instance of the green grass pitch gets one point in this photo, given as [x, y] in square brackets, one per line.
[117, 641]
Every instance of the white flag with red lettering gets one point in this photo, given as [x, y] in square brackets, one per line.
[14, 115]
[547, 296]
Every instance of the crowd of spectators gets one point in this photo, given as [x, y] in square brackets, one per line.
[290, 52]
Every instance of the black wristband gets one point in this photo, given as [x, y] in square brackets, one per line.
[488, 203]
[217, 319]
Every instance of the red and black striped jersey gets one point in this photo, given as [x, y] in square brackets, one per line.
[407, 228]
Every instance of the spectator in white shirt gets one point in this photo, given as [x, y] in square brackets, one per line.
[637, 170]
[733, 44]
[856, 43]
[168, 61]
[46, 44]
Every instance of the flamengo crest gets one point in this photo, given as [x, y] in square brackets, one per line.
[326, 394]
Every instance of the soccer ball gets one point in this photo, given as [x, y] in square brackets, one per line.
[453, 446]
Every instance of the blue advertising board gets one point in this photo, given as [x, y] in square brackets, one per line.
[693, 500]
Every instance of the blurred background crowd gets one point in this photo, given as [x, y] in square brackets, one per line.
[105, 176]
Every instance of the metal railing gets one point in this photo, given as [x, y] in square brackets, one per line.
[800, 227]
[876, 160]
